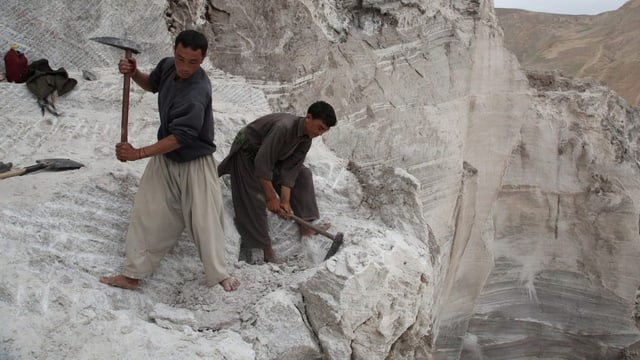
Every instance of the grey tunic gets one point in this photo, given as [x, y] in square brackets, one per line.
[185, 111]
[272, 147]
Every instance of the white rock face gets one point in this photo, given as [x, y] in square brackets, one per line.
[280, 331]
[486, 214]
[563, 232]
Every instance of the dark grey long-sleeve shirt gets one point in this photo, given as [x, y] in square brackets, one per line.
[282, 142]
[185, 111]
[279, 143]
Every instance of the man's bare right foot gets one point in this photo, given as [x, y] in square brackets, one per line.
[270, 256]
[120, 281]
[230, 284]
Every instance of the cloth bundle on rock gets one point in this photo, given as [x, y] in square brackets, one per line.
[45, 83]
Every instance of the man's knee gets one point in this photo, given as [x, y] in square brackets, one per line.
[305, 177]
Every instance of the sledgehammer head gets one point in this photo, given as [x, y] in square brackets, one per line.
[338, 239]
[123, 44]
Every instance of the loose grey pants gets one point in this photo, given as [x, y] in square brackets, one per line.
[172, 197]
[251, 208]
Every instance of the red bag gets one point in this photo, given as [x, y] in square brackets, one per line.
[16, 65]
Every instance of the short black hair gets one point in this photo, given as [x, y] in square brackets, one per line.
[192, 39]
[323, 111]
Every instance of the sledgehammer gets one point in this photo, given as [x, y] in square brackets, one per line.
[130, 48]
[338, 238]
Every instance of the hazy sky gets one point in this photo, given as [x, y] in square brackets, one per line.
[576, 7]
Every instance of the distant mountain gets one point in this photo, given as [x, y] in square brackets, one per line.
[605, 46]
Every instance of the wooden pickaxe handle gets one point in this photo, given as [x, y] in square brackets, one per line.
[126, 89]
[130, 48]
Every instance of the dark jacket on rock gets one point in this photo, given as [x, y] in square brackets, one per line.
[43, 81]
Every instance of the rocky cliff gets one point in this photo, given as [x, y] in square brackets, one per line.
[604, 46]
[488, 213]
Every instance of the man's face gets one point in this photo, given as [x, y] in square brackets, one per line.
[314, 127]
[187, 61]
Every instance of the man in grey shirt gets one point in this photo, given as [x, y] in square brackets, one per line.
[266, 167]
[179, 188]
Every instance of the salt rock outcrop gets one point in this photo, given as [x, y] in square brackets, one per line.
[562, 234]
[421, 86]
[490, 214]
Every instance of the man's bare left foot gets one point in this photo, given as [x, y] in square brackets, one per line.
[230, 284]
[120, 281]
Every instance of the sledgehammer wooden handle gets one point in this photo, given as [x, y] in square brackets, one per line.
[338, 238]
[313, 227]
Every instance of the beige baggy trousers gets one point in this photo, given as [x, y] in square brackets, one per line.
[172, 197]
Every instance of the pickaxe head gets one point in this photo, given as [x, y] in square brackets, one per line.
[123, 44]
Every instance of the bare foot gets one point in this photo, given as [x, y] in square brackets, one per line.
[305, 231]
[230, 284]
[120, 281]
[270, 256]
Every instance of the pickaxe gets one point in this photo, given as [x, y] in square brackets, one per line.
[130, 48]
[338, 238]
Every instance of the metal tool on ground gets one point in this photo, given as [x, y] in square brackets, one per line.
[45, 164]
[4, 167]
[130, 48]
[338, 238]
